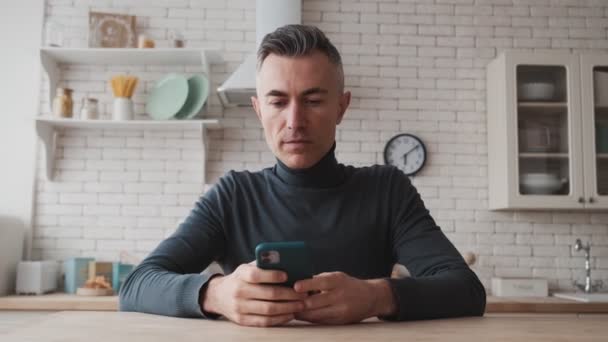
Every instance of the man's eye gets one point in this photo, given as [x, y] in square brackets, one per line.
[313, 102]
[277, 103]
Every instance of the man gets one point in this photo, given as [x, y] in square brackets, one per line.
[358, 222]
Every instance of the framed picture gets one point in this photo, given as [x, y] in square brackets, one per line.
[108, 30]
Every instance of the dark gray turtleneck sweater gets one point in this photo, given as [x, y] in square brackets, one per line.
[359, 221]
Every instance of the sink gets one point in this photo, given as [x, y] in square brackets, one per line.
[584, 297]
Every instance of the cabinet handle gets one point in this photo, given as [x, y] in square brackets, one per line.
[581, 200]
[591, 200]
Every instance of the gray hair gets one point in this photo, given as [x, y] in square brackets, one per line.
[300, 40]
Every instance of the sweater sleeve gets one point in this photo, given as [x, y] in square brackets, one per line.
[441, 283]
[168, 281]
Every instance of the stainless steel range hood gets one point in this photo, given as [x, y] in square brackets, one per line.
[269, 15]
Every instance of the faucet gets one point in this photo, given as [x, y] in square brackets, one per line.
[588, 287]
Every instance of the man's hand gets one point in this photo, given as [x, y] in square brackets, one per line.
[343, 299]
[245, 297]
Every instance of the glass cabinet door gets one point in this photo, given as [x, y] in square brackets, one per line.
[543, 126]
[594, 69]
[600, 104]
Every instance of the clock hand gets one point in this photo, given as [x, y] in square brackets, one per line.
[408, 152]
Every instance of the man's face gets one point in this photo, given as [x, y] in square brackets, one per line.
[299, 104]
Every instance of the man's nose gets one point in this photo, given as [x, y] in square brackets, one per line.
[295, 115]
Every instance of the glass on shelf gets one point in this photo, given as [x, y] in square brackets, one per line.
[53, 34]
[542, 119]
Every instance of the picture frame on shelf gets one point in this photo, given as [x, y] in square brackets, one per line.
[110, 30]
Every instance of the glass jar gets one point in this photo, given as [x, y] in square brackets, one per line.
[89, 109]
[63, 104]
[53, 34]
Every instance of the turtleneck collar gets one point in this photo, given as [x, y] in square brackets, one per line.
[325, 173]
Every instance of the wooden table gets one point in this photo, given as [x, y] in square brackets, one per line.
[71, 326]
[62, 301]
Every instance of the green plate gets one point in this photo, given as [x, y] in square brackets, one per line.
[197, 96]
[167, 97]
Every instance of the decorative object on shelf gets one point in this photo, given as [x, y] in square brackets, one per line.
[89, 109]
[541, 183]
[143, 42]
[537, 137]
[37, 277]
[120, 272]
[123, 87]
[76, 273]
[109, 30]
[601, 137]
[406, 152]
[536, 91]
[95, 286]
[519, 287]
[198, 92]
[63, 105]
[600, 83]
[53, 32]
[177, 38]
[167, 97]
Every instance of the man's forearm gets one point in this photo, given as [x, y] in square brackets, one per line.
[451, 293]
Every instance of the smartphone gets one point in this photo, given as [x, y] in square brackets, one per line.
[292, 257]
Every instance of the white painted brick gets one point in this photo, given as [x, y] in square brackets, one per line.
[359, 28]
[115, 245]
[117, 199]
[155, 234]
[435, 30]
[103, 233]
[550, 250]
[85, 244]
[410, 19]
[513, 250]
[434, 9]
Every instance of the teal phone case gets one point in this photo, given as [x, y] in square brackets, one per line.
[293, 258]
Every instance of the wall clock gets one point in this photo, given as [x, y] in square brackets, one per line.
[406, 152]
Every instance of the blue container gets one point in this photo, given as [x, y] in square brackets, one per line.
[119, 274]
[76, 272]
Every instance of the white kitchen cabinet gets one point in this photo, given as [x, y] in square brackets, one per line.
[543, 114]
[52, 58]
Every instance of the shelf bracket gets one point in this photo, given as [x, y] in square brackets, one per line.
[52, 71]
[48, 136]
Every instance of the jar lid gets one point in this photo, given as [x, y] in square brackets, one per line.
[64, 90]
[91, 99]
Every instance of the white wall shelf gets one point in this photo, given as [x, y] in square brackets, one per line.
[52, 57]
[46, 128]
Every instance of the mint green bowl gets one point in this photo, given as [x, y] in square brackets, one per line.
[167, 97]
[197, 96]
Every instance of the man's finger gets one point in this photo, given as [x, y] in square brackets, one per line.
[254, 275]
[271, 292]
[264, 321]
[321, 282]
[326, 315]
[269, 308]
[320, 300]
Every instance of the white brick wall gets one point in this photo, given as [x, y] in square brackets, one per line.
[414, 66]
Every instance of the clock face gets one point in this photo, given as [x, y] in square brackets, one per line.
[406, 152]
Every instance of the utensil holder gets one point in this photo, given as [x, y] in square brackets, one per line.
[123, 109]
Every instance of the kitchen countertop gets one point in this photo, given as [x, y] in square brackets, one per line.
[62, 301]
[136, 327]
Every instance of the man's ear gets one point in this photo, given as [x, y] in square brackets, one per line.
[256, 106]
[344, 103]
